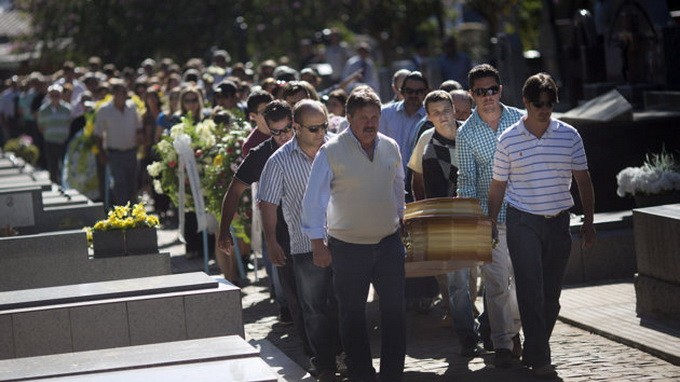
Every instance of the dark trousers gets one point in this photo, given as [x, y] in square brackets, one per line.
[539, 249]
[54, 155]
[123, 166]
[355, 267]
[319, 309]
[289, 289]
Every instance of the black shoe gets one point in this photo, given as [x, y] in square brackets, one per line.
[284, 316]
[469, 347]
[504, 359]
[327, 376]
[516, 346]
[545, 372]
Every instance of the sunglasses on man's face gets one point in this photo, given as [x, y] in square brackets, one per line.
[493, 90]
[540, 105]
[277, 132]
[409, 91]
[315, 128]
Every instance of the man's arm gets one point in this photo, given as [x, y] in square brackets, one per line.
[398, 187]
[269, 196]
[496, 194]
[269, 221]
[418, 185]
[316, 198]
[467, 171]
[229, 206]
[585, 189]
[314, 205]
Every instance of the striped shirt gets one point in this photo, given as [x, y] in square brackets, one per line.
[476, 143]
[55, 121]
[538, 171]
[283, 181]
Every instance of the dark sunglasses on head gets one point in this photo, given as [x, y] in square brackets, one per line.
[540, 105]
[315, 128]
[486, 91]
[409, 91]
[278, 132]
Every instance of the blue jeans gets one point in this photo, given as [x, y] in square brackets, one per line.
[462, 317]
[319, 309]
[355, 267]
[539, 248]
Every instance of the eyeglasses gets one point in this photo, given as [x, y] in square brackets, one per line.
[190, 100]
[315, 128]
[479, 92]
[277, 132]
[540, 105]
[409, 91]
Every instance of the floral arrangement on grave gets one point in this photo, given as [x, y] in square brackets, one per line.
[217, 150]
[23, 148]
[658, 175]
[126, 217]
[127, 230]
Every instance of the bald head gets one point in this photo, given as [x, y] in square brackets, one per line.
[462, 102]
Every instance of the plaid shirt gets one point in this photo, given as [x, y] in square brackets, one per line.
[476, 143]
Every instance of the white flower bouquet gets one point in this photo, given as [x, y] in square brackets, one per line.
[659, 174]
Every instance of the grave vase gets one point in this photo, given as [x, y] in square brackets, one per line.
[141, 241]
[136, 241]
[108, 243]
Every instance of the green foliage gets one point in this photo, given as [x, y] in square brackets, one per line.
[126, 31]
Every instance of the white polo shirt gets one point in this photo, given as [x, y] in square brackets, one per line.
[118, 129]
[538, 172]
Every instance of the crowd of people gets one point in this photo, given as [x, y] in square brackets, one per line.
[334, 167]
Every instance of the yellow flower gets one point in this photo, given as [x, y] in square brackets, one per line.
[138, 210]
[219, 159]
[122, 211]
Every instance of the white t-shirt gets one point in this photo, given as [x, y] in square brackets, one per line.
[415, 163]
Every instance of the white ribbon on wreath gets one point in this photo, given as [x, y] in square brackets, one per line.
[187, 162]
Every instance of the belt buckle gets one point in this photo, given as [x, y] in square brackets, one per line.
[552, 216]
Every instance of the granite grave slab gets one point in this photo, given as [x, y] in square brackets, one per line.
[127, 358]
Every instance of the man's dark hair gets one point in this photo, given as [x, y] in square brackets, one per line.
[294, 87]
[257, 98]
[450, 85]
[226, 88]
[277, 110]
[537, 84]
[481, 71]
[437, 96]
[361, 97]
[417, 76]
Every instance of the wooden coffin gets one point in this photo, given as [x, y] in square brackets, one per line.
[445, 234]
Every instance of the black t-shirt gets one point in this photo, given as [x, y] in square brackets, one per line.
[250, 171]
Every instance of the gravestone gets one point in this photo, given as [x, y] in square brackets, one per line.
[117, 313]
[61, 258]
[31, 210]
[657, 247]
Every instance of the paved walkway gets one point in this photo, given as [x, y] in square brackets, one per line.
[598, 337]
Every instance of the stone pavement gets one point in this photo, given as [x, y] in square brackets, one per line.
[598, 336]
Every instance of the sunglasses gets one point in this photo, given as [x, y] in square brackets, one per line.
[540, 105]
[315, 128]
[409, 91]
[479, 92]
[190, 100]
[278, 132]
